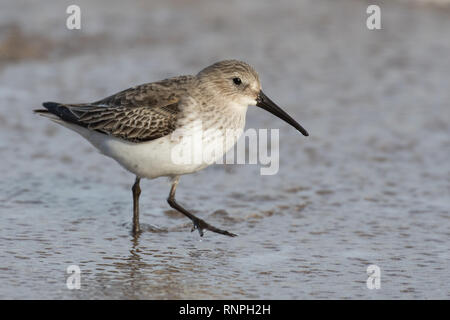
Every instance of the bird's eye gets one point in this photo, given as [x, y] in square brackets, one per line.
[237, 81]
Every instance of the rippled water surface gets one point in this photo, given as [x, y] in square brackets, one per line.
[369, 186]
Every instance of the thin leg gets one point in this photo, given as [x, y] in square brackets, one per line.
[199, 224]
[136, 193]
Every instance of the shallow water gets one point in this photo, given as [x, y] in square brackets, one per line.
[369, 186]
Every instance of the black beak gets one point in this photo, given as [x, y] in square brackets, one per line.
[265, 103]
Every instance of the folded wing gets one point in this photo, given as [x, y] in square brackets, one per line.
[138, 114]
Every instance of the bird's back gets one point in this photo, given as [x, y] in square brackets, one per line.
[138, 114]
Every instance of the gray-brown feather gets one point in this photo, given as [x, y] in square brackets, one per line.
[142, 113]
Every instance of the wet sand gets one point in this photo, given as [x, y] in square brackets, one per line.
[369, 186]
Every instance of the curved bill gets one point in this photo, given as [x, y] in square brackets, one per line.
[265, 103]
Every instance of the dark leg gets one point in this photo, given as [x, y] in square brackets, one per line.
[136, 193]
[199, 224]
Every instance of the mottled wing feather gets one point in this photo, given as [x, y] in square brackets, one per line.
[132, 124]
[138, 114]
[156, 94]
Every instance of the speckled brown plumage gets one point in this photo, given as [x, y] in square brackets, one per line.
[142, 113]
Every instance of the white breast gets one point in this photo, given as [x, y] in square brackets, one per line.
[192, 147]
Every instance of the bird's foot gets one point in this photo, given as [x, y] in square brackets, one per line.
[201, 225]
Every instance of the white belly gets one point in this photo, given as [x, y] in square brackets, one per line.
[187, 150]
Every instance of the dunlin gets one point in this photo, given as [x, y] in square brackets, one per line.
[136, 126]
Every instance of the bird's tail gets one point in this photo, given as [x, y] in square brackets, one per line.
[61, 114]
[46, 114]
[52, 111]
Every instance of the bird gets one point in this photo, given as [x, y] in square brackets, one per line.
[140, 127]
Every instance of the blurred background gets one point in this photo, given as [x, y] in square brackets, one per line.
[371, 185]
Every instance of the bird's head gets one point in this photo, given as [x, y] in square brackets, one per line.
[238, 82]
